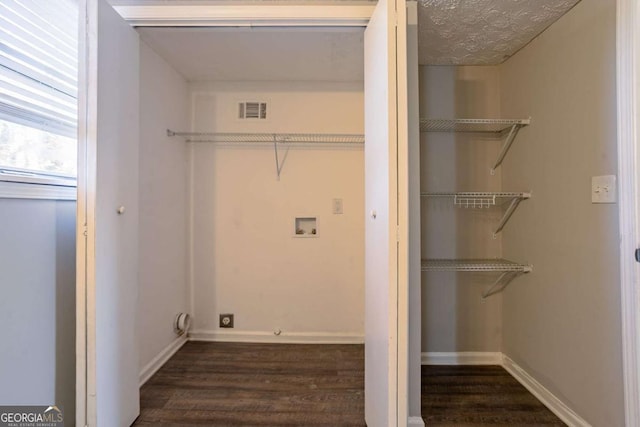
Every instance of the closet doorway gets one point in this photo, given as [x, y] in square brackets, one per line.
[115, 208]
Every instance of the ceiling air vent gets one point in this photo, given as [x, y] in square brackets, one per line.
[252, 110]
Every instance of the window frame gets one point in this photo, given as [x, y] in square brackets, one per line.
[29, 86]
[18, 183]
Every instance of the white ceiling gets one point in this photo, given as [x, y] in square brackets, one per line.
[451, 32]
[261, 54]
[475, 32]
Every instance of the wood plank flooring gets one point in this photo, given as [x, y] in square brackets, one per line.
[479, 396]
[239, 384]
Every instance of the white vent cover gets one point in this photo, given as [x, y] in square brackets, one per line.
[252, 110]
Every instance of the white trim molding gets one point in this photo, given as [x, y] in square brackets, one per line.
[161, 358]
[628, 97]
[555, 405]
[270, 337]
[24, 190]
[462, 358]
[266, 15]
[415, 422]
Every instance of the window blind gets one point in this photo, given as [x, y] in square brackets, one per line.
[39, 64]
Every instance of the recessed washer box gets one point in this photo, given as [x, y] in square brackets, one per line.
[305, 226]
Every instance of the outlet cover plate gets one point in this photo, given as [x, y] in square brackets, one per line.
[338, 208]
[603, 189]
[226, 320]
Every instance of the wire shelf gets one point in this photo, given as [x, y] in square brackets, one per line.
[474, 202]
[317, 138]
[478, 199]
[471, 125]
[477, 265]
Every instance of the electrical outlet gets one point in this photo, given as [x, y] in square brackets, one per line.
[226, 320]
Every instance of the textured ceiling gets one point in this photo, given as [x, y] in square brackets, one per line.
[478, 32]
[261, 54]
[457, 32]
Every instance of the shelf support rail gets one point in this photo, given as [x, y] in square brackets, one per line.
[507, 144]
[510, 210]
[275, 149]
[503, 281]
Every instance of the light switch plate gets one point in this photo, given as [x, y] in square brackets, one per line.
[337, 207]
[603, 189]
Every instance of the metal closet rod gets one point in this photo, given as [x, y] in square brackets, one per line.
[328, 138]
[273, 138]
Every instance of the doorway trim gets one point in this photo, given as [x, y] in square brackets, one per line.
[628, 102]
[334, 14]
[225, 15]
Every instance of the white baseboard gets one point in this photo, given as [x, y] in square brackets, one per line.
[162, 358]
[462, 358]
[415, 422]
[269, 337]
[555, 405]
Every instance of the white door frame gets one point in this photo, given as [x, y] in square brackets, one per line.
[628, 96]
[271, 15]
[173, 15]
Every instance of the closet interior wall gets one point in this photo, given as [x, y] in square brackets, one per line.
[455, 317]
[164, 206]
[561, 322]
[247, 259]
[217, 225]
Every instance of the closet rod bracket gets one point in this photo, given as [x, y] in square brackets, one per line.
[503, 281]
[513, 131]
[515, 202]
[275, 150]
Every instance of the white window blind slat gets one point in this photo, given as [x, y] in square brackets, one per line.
[21, 29]
[57, 18]
[24, 45]
[41, 97]
[15, 65]
[22, 116]
[47, 32]
[39, 64]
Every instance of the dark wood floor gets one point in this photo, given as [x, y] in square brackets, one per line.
[233, 384]
[479, 396]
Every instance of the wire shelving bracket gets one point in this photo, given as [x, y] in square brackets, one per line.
[479, 200]
[495, 126]
[277, 139]
[509, 270]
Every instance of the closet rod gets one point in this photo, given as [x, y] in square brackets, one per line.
[271, 138]
[246, 137]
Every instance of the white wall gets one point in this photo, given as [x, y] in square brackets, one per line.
[246, 259]
[561, 323]
[164, 204]
[37, 303]
[455, 317]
